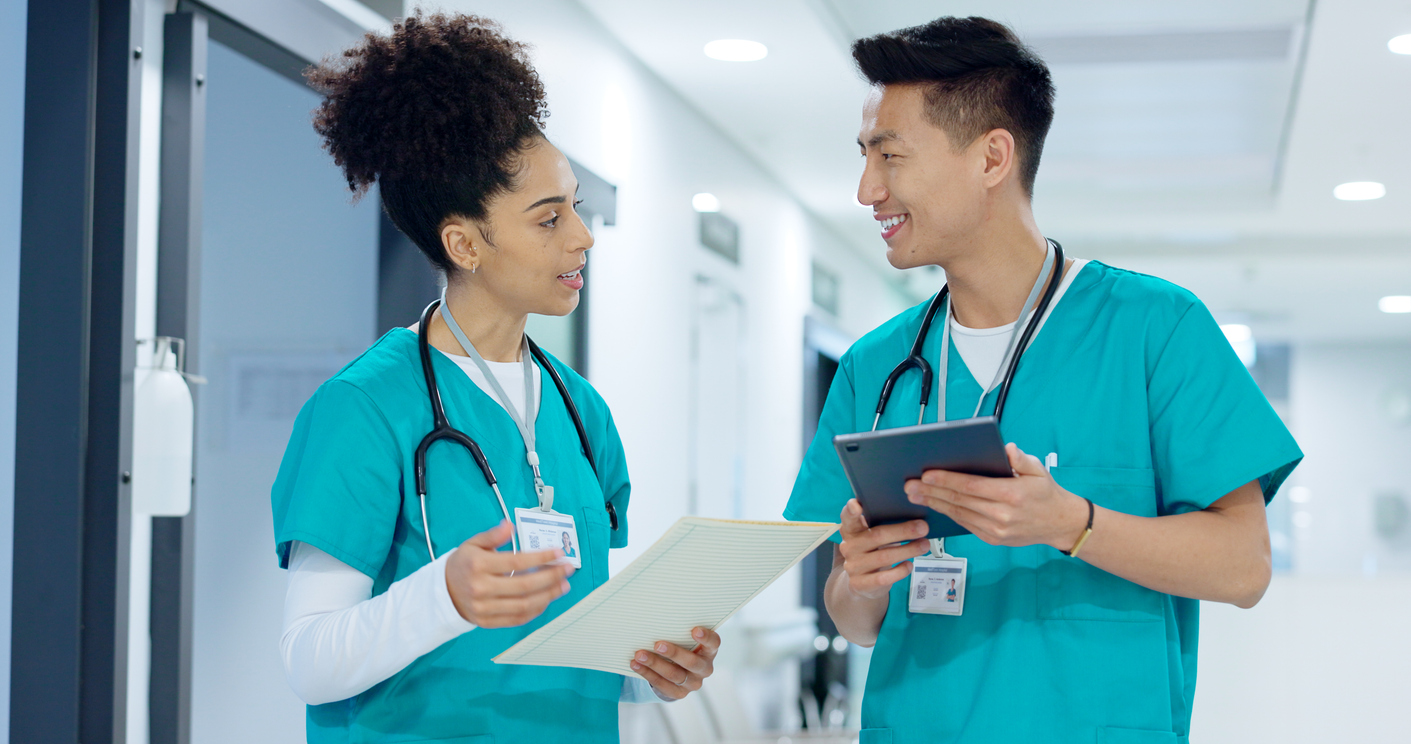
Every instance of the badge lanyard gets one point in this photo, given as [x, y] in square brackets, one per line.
[541, 528]
[531, 407]
[943, 368]
[938, 580]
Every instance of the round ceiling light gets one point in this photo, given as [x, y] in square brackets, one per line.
[1400, 44]
[1241, 337]
[705, 202]
[736, 50]
[1360, 191]
[1395, 304]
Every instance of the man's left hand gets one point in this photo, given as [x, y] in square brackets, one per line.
[675, 672]
[1028, 509]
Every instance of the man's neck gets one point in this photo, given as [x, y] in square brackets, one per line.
[496, 334]
[991, 277]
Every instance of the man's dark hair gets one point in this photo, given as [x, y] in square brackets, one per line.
[437, 114]
[978, 77]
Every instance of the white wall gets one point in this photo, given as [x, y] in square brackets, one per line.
[1326, 655]
[866, 299]
[1320, 659]
[612, 115]
[12, 73]
[615, 117]
[288, 295]
[1355, 450]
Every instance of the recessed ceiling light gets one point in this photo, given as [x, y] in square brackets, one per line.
[1241, 337]
[704, 202]
[1237, 332]
[1360, 191]
[736, 50]
[1395, 304]
[1400, 44]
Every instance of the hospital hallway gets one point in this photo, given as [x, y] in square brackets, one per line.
[169, 216]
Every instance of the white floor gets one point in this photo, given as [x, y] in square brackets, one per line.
[1318, 660]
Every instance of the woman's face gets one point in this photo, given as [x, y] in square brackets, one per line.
[530, 248]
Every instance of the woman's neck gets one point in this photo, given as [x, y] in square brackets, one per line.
[496, 333]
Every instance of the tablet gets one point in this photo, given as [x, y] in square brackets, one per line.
[879, 463]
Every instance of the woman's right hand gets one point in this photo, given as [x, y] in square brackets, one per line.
[483, 589]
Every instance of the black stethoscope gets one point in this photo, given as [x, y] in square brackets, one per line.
[916, 361]
[442, 428]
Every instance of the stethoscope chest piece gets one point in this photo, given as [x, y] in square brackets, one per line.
[1035, 308]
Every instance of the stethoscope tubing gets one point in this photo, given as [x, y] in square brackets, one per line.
[1030, 329]
[442, 430]
[915, 360]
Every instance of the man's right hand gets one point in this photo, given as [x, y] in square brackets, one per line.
[877, 557]
[501, 590]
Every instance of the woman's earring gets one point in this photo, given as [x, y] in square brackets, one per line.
[473, 267]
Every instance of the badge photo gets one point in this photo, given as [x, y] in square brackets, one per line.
[937, 585]
[541, 530]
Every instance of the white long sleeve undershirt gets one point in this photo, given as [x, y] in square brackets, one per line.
[339, 640]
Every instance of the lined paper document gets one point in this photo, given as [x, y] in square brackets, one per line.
[698, 574]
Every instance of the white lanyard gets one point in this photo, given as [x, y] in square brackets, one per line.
[941, 369]
[531, 407]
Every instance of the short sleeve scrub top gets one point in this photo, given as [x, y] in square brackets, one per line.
[1131, 383]
[345, 486]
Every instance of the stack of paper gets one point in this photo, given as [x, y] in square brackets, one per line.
[698, 574]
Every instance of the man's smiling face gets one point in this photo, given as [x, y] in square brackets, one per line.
[926, 195]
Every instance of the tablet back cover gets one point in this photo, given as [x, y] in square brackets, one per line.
[878, 464]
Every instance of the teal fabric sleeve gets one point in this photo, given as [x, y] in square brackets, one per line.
[339, 485]
[1212, 429]
[822, 488]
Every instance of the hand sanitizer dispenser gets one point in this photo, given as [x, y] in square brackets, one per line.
[163, 432]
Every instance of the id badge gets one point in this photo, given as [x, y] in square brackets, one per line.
[541, 530]
[937, 585]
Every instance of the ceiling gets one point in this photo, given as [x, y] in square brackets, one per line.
[1198, 140]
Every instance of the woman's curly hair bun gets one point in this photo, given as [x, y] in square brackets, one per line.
[436, 114]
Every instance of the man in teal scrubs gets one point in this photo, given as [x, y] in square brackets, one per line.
[1129, 393]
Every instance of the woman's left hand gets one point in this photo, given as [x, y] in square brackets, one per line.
[675, 672]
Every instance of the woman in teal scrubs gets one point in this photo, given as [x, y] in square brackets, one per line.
[1081, 604]
[388, 642]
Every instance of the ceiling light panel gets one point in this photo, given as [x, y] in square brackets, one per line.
[1395, 304]
[736, 50]
[1040, 18]
[705, 202]
[1237, 44]
[1360, 191]
[1167, 126]
[1158, 103]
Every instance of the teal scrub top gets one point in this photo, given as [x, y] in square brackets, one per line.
[345, 486]
[1131, 382]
